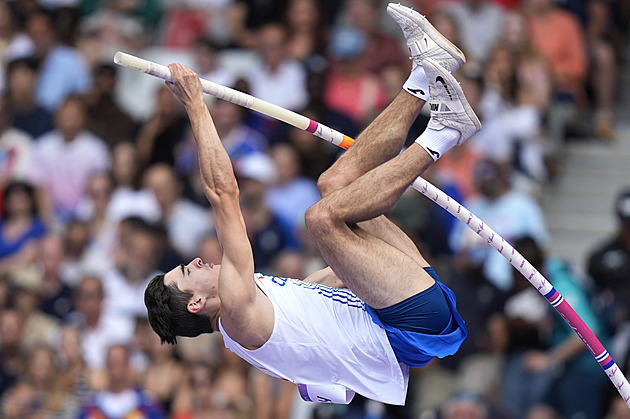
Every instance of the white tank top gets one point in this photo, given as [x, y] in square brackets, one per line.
[323, 336]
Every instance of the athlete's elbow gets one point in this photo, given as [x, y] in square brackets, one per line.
[223, 192]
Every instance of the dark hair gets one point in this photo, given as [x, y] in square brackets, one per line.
[530, 250]
[209, 43]
[19, 63]
[168, 313]
[19, 186]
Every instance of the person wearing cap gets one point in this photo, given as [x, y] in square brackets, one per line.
[609, 263]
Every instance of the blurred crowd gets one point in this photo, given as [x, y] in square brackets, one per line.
[100, 192]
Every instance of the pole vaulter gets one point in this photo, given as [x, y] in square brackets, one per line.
[430, 191]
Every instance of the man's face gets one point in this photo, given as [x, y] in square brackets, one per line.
[71, 118]
[198, 278]
[141, 251]
[163, 183]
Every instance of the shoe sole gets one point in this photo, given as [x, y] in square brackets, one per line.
[432, 33]
[455, 84]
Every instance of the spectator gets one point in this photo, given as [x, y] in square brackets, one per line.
[185, 222]
[314, 156]
[105, 118]
[142, 342]
[575, 385]
[272, 397]
[56, 296]
[16, 149]
[99, 329]
[316, 81]
[207, 63]
[307, 33]
[165, 374]
[121, 399]
[23, 401]
[42, 373]
[238, 138]
[532, 70]
[74, 377]
[12, 364]
[147, 13]
[107, 26]
[248, 16]
[125, 170]
[66, 157]
[350, 88]
[291, 194]
[509, 212]
[381, 49]
[230, 386]
[267, 233]
[289, 264]
[512, 124]
[76, 261]
[277, 78]
[21, 228]
[39, 329]
[194, 398]
[28, 115]
[184, 22]
[93, 208]
[482, 373]
[161, 134]
[62, 71]
[600, 33]
[479, 25]
[13, 42]
[557, 35]
[127, 198]
[136, 264]
[221, 391]
[98, 217]
[609, 266]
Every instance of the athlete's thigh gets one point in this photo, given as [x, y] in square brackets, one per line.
[375, 270]
[384, 229]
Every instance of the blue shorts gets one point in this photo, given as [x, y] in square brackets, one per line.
[423, 326]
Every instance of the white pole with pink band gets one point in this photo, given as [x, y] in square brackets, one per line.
[436, 195]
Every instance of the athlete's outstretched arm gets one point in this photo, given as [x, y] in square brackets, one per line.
[237, 290]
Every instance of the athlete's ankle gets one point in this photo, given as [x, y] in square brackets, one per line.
[417, 84]
[438, 142]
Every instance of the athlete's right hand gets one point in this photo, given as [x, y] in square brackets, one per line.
[186, 85]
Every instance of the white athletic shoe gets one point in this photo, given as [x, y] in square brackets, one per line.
[449, 107]
[424, 41]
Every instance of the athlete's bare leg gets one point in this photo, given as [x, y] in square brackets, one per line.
[379, 142]
[384, 138]
[379, 271]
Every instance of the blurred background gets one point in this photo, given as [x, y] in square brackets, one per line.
[100, 191]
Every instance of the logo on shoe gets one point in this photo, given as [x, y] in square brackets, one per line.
[439, 79]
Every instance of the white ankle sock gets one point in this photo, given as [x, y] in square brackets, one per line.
[436, 143]
[417, 84]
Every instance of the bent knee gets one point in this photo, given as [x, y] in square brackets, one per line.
[320, 219]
